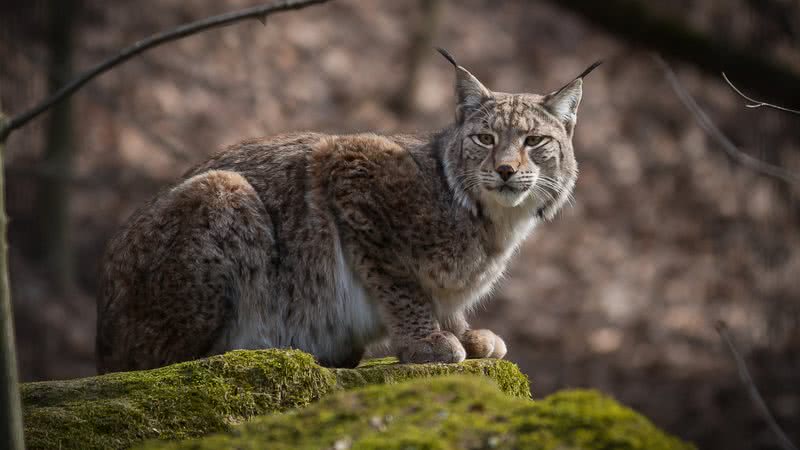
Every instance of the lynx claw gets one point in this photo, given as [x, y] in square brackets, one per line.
[483, 344]
[437, 347]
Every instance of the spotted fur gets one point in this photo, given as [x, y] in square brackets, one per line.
[328, 243]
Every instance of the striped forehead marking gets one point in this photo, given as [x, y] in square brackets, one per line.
[516, 111]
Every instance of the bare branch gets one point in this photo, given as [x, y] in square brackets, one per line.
[256, 12]
[756, 103]
[712, 130]
[755, 396]
[642, 22]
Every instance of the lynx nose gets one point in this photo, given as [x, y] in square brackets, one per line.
[505, 171]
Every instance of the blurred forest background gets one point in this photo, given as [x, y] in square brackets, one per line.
[620, 293]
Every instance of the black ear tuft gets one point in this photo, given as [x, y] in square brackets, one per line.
[470, 93]
[590, 68]
[447, 55]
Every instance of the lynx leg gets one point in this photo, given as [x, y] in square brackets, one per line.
[173, 279]
[408, 314]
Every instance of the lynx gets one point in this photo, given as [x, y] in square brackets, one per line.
[327, 243]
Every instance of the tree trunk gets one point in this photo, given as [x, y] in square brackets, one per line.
[53, 193]
[429, 14]
[10, 409]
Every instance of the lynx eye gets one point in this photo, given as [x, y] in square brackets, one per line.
[484, 139]
[536, 141]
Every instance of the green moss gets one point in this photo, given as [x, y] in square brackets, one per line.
[174, 402]
[205, 396]
[388, 371]
[454, 412]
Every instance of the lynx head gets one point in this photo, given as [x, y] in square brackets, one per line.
[513, 150]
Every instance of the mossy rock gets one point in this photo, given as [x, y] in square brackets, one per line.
[453, 412]
[195, 398]
[504, 374]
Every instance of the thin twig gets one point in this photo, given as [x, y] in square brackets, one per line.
[755, 396]
[711, 129]
[756, 103]
[256, 12]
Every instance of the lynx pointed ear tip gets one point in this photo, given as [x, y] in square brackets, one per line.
[447, 56]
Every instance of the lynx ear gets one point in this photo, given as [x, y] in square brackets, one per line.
[564, 102]
[470, 93]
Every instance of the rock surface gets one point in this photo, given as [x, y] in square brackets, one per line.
[453, 412]
[196, 398]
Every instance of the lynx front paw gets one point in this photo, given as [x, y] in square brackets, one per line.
[483, 344]
[437, 347]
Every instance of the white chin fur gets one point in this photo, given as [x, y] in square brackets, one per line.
[506, 199]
